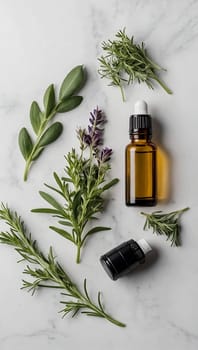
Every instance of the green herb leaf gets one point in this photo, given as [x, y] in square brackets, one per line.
[49, 100]
[51, 200]
[51, 134]
[65, 223]
[45, 211]
[25, 143]
[110, 184]
[58, 180]
[73, 82]
[68, 104]
[95, 230]
[77, 200]
[35, 116]
[63, 233]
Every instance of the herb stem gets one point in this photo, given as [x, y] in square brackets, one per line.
[27, 168]
[122, 93]
[162, 84]
[78, 252]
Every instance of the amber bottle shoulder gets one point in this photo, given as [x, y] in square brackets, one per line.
[141, 146]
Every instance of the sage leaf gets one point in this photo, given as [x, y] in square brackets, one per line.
[51, 134]
[51, 200]
[69, 103]
[73, 82]
[25, 143]
[37, 153]
[49, 100]
[62, 232]
[35, 116]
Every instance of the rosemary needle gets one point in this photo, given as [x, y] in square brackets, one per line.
[47, 272]
[165, 224]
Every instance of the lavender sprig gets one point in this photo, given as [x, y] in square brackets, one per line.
[93, 136]
[83, 186]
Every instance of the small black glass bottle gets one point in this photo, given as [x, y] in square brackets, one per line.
[125, 257]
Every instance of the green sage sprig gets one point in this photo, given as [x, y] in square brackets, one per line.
[82, 187]
[127, 62]
[165, 224]
[46, 272]
[45, 134]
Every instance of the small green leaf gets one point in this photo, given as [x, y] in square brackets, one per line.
[69, 103]
[110, 184]
[95, 230]
[45, 210]
[54, 189]
[58, 180]
[75, 203]
[51, 134]
[65, 223]
[63, 233]
[73, 82]
[66, 179]
[49, 100]
[35, 116]
[25, 143]
[51, 200]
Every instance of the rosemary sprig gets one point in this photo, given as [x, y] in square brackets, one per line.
[46, 271]
[83, 186]
[165, 224]
[127, 62]
[40, 120]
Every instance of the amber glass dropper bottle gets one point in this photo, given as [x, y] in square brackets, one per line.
[140, 161]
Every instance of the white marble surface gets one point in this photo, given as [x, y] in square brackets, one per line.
[40, 41]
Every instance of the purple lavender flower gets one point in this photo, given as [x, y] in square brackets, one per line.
[94, 136]
[105, 155]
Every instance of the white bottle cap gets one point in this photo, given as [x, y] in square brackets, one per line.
[144, 246]
[141, 107]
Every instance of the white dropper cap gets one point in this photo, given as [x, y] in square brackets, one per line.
[140, 107]
[144, 246]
